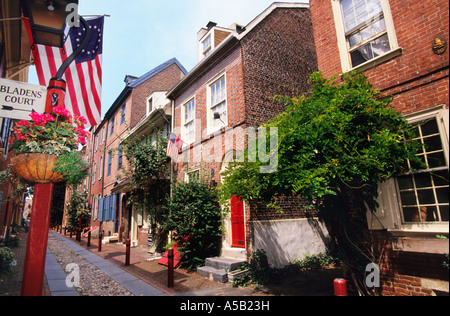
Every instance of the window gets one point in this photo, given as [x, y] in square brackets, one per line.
[94, 172]
[122, 114]
[207, 46]
[217, 105]
[149, 105]
[108, 171]
[103, 133]
[119, 157]
[189, 122]
[100, 168]
[424, 195]
[365, 31]
[111, 131]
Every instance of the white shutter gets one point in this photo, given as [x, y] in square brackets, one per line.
[387, 215]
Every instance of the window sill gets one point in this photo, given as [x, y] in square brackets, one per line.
[378, 60]
[423, 230]
[421, 245]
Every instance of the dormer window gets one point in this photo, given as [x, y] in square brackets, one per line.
[207, 46]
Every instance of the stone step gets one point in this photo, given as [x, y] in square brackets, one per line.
[224, 263]
[110, 239]
[237, 253]
[213, 274]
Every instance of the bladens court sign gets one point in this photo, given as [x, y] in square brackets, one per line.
[18, 99]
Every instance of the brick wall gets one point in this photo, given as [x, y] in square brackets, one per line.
[278, 58]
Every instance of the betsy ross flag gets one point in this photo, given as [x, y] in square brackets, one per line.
[84, 75]
[173, 146]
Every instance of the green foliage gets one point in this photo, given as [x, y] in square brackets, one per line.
[195, 217]
[148, 161]
[342, 137]
[12, 241]
[73, 168]
[77, 208]
[148, 174]
[6, 259]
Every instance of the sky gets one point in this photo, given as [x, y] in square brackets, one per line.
[140, 35]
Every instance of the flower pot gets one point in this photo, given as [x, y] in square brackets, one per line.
[36, 168]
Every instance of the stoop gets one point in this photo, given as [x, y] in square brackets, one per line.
[217, 269]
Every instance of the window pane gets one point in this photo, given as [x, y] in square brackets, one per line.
[380, 46]
[408, 198]
[444, 212]
[426, 197]
[405, 182]
[442, 195]
[433, 143]
[411, 214]
[436, 160]
[440, 178]
[430, 214]
[430, 127]
[423, 180]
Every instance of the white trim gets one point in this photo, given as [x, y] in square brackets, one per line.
[186, 140]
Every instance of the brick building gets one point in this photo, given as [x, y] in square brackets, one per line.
[402, 48]
[106, 185]
[239, 71]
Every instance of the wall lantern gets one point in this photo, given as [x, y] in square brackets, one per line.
[47, 20]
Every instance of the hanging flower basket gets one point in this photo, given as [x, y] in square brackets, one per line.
[37, 168]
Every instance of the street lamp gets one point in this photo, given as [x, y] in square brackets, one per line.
[48, 20]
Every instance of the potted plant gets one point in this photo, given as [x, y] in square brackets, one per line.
[47, 147]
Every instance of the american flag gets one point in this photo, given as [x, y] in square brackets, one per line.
[173, 146]
[83, 77]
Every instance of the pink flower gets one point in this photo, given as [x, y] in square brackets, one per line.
[82, 140]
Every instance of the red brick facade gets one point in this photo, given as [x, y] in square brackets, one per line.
[417, 78]
[275, 57]
[134, 97]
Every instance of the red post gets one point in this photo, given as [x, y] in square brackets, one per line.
[33, 273]
[127, 253]
[170, 271]
[340, 287]
[100, 236]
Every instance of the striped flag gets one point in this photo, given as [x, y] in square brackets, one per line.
[83, 77]
[173, 146]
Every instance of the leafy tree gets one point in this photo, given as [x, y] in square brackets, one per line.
[335, 146]
[195, 217]
[77, 207]
[147, 172]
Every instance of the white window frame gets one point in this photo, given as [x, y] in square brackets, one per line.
[389, 214]
[208, 50]
[343, 46]
[211, 126]
[94, 173]
[100, 168]
[187, 121]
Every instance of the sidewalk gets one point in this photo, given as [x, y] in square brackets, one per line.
[142, 277]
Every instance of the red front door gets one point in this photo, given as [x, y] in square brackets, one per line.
[237, 223]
